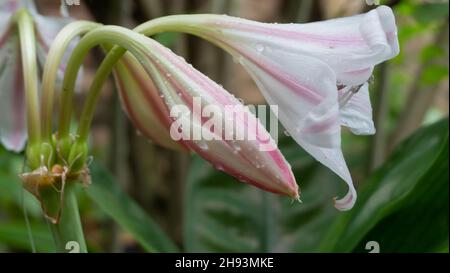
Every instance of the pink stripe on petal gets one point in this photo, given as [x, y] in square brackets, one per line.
[276, 30]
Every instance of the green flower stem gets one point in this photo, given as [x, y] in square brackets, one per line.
[124, 38]
[163, 24]
[90, 40]
[101, 75]
[176, 23]
[53, 61]
[29, 64]
[69, 230]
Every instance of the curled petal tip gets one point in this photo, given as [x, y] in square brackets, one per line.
[347, 202]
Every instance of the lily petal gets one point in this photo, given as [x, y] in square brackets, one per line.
[305, 89]
[13, 131]
[356, 110]
[351, 46]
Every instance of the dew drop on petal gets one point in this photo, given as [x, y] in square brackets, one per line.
[237, 147]
[203, 145]
[259, 48]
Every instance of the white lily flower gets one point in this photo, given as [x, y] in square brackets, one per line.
[299, 68]
[13, 125]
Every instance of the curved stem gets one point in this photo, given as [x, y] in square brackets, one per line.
[108, 34]
[150, 28]
[101, 75]
[29, 65]
[52, 64]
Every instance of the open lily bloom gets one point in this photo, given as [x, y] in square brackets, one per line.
[299, 68]
[182, 88]
[13, 131]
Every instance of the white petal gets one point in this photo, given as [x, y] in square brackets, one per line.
[309, 106]
[350, 45]
[356, 77]
[13, 132]
[307, 95]
[334, 159]
[356, 111]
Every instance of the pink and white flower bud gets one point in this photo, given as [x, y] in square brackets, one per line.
[142, 102]
[181, 88]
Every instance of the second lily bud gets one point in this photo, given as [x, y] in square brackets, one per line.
[163, 95]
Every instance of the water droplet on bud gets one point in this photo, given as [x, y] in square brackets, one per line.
[259, 48]
[202, 145]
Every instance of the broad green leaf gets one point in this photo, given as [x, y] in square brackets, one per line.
[108, 195]
[404, 205]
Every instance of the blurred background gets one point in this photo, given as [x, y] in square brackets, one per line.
[147, 198]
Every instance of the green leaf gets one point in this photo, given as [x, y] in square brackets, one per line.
[404, 205]
[15, 235]
[108, 195]
[224, 215]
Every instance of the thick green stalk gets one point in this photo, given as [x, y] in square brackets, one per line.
[69, 228]
[68, 232]
[29, 64]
